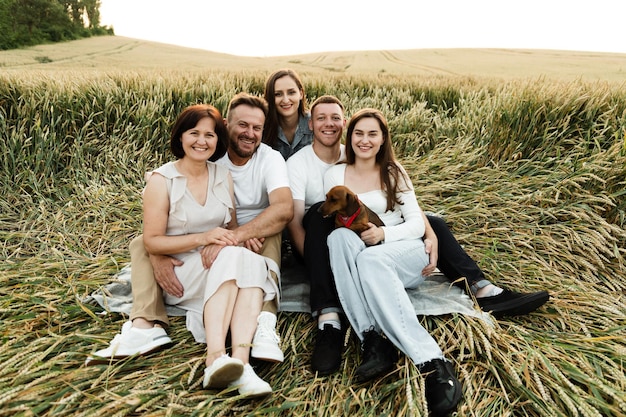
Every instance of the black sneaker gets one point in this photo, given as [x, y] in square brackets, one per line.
[379, 357]
[510, 303]
[443, 390]
[326, 357]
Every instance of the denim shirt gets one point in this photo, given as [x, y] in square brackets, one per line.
[303, 137]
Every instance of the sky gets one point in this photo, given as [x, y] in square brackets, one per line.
[290, 27]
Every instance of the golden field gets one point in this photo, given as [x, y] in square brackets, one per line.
[119, 53]
[523, 152]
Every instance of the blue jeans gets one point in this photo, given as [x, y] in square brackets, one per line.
[371, 283]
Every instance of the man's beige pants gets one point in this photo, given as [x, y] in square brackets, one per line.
[147, 294]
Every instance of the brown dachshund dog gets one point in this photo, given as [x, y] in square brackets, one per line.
[348, 210]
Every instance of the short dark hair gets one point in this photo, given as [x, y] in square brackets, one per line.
[188, 119]
[327, 99]
[249, 100]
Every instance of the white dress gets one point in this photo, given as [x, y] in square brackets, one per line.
[237, 263]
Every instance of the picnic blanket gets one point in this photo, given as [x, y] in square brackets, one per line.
[435, 296]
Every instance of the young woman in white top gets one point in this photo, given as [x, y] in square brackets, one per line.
[373, 270]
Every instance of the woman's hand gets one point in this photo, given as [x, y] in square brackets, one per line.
[214, 241]
[218, 236]
[373, 236]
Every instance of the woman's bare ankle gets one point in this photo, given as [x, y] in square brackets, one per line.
[141, 323]
[210, 357]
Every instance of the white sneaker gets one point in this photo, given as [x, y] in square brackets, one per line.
[131, 341]
[266, 342]
[250, 385]
[222, 372]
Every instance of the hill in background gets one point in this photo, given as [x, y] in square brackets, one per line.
[114, 53]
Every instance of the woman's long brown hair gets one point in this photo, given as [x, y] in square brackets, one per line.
[392, 177]
[270, 130]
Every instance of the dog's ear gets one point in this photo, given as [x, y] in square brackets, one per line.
[334, 196]
[352, 202]
[343, 194]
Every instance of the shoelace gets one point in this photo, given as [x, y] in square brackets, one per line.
[266, 331]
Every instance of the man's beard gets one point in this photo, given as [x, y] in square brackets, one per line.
[234, 145]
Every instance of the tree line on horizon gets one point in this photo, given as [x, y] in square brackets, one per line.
[33, 22]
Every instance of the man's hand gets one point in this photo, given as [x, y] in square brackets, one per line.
[164, 275]
[432, 250]
[254, 244]
[209, 254]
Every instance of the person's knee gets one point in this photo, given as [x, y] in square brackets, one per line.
[341, 234]
[334, 240]
[313, 219]
[344, 241]
[136, 244]
[228, 286]
[437, 222]
[272, 247]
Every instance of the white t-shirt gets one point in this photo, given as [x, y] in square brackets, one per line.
[403, 222]
[306, 175]
[263, 173]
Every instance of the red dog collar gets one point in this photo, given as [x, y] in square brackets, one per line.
[348, 220]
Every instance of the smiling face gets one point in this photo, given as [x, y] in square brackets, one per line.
[245, 130]
[200, 142]
[287, 96]
[327, 123]
[367, 138]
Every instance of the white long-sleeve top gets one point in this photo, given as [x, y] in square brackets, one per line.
[403, 222]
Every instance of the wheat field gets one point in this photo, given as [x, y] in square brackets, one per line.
[115, 53]
[529, 171]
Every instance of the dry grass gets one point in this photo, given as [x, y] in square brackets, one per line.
[531, 176]
[112, 53]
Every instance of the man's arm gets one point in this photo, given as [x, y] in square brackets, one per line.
[270, 221]
[431, 245]
[296, 229]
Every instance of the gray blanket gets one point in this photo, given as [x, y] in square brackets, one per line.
[435, 296]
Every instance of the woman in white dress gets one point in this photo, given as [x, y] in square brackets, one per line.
[189, 209]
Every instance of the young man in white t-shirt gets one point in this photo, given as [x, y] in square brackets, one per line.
[264, 207]
[309, 230]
